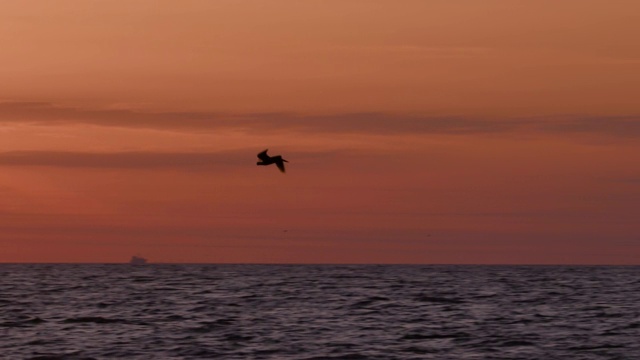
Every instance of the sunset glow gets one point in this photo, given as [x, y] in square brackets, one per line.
[417, 131]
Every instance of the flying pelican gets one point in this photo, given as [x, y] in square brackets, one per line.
[268, 160]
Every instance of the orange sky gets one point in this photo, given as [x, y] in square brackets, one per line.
[417, 131]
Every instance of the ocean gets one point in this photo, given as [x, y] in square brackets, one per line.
[163, 311]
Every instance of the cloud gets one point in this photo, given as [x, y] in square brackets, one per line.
[127, 160]
[631, 180]
[376, 123]
[347, 123]
[619, 126]
[419, 51]
[203, 161]
[43, 113]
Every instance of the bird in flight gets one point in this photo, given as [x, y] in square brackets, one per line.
[268, 160]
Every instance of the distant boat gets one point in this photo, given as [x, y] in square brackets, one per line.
[137, 260]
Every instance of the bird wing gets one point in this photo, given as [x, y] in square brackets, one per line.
[280, 163]
[263, 156]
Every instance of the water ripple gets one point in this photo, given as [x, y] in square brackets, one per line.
[76, 312]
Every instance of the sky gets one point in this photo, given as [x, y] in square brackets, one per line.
[417, 132]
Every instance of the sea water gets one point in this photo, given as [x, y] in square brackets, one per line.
[64, 311]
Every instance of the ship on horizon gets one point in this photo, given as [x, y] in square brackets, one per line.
[137, 260]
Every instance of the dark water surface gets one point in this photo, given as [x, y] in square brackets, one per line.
[318, 312]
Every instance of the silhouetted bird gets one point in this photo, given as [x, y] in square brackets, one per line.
[268, 160]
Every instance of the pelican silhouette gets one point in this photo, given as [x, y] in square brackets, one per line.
[268, 160]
